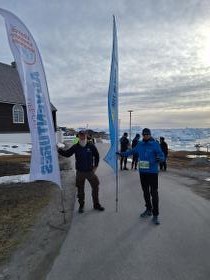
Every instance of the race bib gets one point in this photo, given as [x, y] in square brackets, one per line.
[143, 164]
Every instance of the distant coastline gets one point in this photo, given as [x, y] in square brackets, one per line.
[178, 139]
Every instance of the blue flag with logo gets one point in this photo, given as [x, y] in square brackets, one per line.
[111, 157]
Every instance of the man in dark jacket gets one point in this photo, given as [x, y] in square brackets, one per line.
[124, 145]
[87, 160]
[164, 148]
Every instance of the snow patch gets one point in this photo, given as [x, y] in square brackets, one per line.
[14, 179]
[13, 148]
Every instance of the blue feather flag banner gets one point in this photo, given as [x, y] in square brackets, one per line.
[111, 157]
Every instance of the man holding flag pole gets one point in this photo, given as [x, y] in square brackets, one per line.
[111, 157]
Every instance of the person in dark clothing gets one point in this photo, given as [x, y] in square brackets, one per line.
[164, 148]
[90, 139]
[149, 154]
[87, 160]
[135, 156]
[124, 145]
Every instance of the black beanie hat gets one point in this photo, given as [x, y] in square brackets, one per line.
[146, 131]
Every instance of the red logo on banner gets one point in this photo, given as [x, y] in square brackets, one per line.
[24, 45]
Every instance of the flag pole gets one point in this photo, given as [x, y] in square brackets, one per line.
[117, 178]
[111, 157]
[117, 168]
[117, 188]
[117, 118]
[63, 207]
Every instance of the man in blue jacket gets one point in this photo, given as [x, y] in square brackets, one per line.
[87, 160]
[149, 156]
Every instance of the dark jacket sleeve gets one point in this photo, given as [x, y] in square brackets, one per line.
[95, 155]
[67, 153]
[166, 149]
[159, 153]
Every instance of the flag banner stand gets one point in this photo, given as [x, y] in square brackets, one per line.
[63, 206]
[111, 158]
[44, 158]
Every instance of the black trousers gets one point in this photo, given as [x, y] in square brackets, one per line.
[149, 183]
[163, 165]
[134, 161]
[80, 184]
[123, 161]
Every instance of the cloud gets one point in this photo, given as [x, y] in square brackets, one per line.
[164, 61]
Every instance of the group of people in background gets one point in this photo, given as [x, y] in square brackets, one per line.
[126, 145]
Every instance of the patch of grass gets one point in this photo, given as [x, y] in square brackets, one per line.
[14, 165]
[19, 207]
[21, 203]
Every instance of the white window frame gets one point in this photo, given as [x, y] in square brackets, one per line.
[18, 114]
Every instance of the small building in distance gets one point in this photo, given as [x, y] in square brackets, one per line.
[13, 115]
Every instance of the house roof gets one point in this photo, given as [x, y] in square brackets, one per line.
[10, 86]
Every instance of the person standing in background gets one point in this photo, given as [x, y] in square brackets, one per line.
[90, 139]
[135, 156]
[164, 148]
[124, 145]
[76, 139]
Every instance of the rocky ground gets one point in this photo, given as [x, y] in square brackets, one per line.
[33, 225]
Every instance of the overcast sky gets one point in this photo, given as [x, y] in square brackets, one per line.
[164, 58]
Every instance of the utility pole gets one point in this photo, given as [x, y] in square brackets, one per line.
[130, 111]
